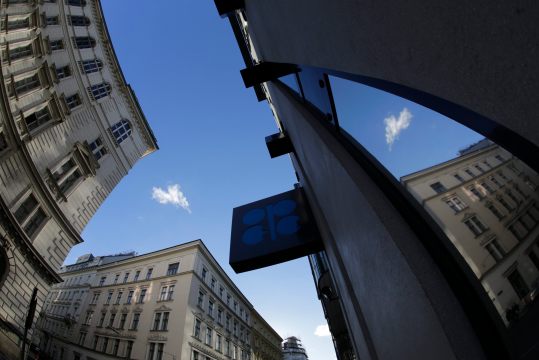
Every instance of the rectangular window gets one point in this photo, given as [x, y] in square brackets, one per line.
[30, 216]
[3, 141]
[37, 119]
[123, 318]
[204, 273]
[111, 319]
[495, 181]
[504, 203]
[20, 52]
[99, 91]
[469, 172]
[141, 296]
[80, 3]
[63, 72]
[455, 204]
[82, 338]
[115, 347]
[487, 187]
[212, 284]
[73, 101]
[116, 278]
[479, 168]
[534, 259]
[209, 334]
[52, 20]
[220, 316]
[149, 274]
[518, 230]
[156, 321]
[83, 42]
[494, 210]
[495, 250]
[475, 225]
[160, 348]
[499, 158]
[95, 298]
[102, 281]
[210, 308]
[128, 349]
[164, 322]
[200, 300]
[438, 187]
[151, 351]
[518, 284]
[163, 295]
[478, 194]
[90, 66]
[221, 291]
[15, 24]
[56, 44]
[137, 274]
[459, 178]
[102, 319]
[88, 319]
[67, 174]
[218, 343]
[173, 269]
[76, 20]
[26, 85]
[197, 329]
[126, 276]
[130, 296]
[119, 297]
[136, 319]
[109, 297]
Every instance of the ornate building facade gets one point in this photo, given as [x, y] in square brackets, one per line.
[487, 202]
[265, 341]
[174, 303]
[70, 129]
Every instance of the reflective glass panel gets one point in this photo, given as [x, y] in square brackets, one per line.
[485, 199]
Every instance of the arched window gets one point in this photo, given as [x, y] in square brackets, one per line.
[121, 130]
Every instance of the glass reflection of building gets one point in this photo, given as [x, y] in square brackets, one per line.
[395, 268]
[487, 202]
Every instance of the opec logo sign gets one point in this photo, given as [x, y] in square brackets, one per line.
[272, 230]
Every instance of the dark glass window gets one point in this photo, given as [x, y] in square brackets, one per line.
[90, 66]
[76, 20]
[173, 269]
[121, 131]
[83, 42]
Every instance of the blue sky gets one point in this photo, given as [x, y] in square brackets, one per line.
[183, 63]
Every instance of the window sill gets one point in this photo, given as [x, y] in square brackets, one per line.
[165, 300]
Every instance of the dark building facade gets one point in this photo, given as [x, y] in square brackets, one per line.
[392, 282]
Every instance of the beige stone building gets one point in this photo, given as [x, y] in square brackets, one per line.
[175, 303]
[265, 342]
[70, 129]
[487, 202]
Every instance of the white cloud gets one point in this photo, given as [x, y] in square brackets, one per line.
[173, 195]
[322, 330]
[395, 126]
